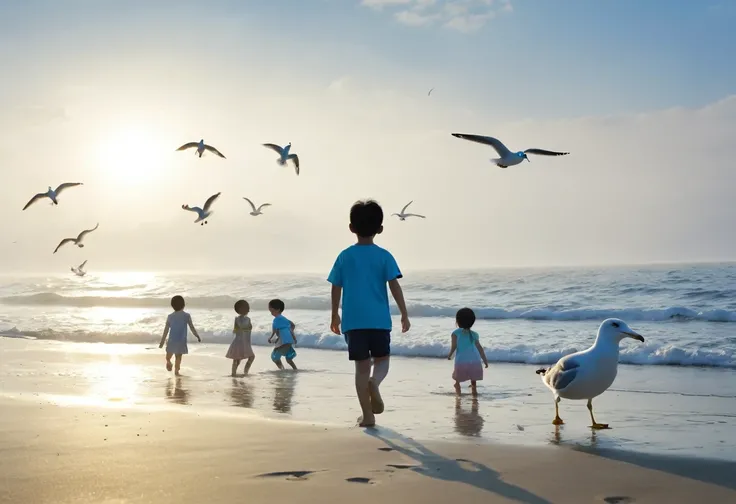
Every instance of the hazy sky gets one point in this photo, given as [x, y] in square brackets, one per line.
[643, 95]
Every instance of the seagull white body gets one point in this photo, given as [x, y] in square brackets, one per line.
[507, 158]
[284, 155]
[79, 270]
[200, 148]
[256, 211]
[587, 374]
[204, 212]
[51, 194]
[76, 241]
[403, 215]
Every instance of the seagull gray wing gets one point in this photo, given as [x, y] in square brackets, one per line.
[542, 152]
[34, 199]
[406, 206]
[502, 150]
[188, 146]
[251, 203]
[81, 265]
[65, 185]
[562, 374]
[275, 147]
[214, 151]
[210, 200]
[263, 205]
[430, 91]
[195, 209]
[87, 231]
[295, 158]
[63, 242]
[414, 215]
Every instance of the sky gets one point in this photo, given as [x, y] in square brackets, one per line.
[642, 95]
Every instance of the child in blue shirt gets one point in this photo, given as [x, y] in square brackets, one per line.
[359, 276]
[283, 333]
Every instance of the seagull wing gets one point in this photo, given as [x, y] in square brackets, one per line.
[542, 152]
[263, 205]
[86, 232]
[251, 204]
[34, 199]
[414, 215]
[194, 209]
[406, 206]
[210, 200]
[559, 376]
[65, 185]
[62, 243]
[274, 147]
[81, 266]
[295, 158]
[188, 146]
[214, 151]
[502, 150]
[430, 91]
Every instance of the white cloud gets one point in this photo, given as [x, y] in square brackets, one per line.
[462, 15]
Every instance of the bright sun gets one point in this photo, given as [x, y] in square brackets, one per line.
[132, 156]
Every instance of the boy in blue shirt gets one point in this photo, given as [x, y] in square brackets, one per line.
[283, 332]
[360, 275]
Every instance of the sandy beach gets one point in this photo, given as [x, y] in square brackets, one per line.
[53, 454]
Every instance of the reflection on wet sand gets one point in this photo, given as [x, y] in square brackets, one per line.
[468, 422]
[175, 392]
[241, 393]
[284, 383]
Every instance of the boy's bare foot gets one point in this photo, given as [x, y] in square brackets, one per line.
[377, 405]
[368, 421]
[457, 388]
[169, 366]
[176, 373]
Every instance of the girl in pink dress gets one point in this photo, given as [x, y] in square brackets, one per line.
[468, 351]
[240, 348]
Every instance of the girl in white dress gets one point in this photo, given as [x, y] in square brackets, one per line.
[176, 329]
[241, 348]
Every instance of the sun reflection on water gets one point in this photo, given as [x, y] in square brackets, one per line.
[113, 382]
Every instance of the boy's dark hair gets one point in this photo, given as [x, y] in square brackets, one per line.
[465, 318]
[177, 303]
[241, 305]
[366, 218]
[277, 304]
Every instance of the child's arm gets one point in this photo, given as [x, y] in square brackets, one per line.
[166, 333]
[275, 333]
[194, 331]
[453, 346]
[398, 295]
[336, 295]
[293, 335]
[481, 352]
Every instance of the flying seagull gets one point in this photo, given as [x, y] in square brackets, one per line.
[507, 158]
[256, 211]
[78, 240]
[284, 155]
[51, 194]
[205, 212]
[402, 216]
[430, 91]
[201, 147]
[587, 374]
[79, 270]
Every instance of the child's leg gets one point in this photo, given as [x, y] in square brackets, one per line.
[290, 353]
[169, 355]
[473, 389]
[236, 363]
[248, 364]
[362, 379]
[291, 363]
[177, 364]
[380, 347]
[457, 387]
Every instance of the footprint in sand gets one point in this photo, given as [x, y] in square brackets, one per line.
[618, 499]
[385, 449]
[289, 475]
[360, 480]
[404, 466]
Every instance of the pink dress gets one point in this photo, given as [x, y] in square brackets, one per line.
[468, 364]
[241, 348]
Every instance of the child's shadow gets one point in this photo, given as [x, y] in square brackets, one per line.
[241, 393]
[175, 392]
[465, 471]
[468, 423]
[283, 393]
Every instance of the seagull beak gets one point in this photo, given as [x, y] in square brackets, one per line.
[636, 336]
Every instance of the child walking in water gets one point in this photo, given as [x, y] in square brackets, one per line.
[283, 335]
[240, 348]
[176, 330]
[469, 351]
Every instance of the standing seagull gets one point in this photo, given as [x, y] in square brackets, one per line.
[51, 193]
[507, 158]
[256, 211]
[402, 216]
[587, 374]
[78, 240]
[201, 147]
[284, 155]
[79, 270]
[205, 212]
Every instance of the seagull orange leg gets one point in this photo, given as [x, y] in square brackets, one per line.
[595, 425]
[557, 420]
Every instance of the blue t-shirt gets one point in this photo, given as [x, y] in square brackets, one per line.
[284, 326]
[363, 271]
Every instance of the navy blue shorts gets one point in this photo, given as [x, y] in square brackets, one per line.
[366, 343]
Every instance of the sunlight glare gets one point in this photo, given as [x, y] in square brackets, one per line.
[132, 156]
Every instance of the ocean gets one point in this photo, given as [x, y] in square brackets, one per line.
[675, 393]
